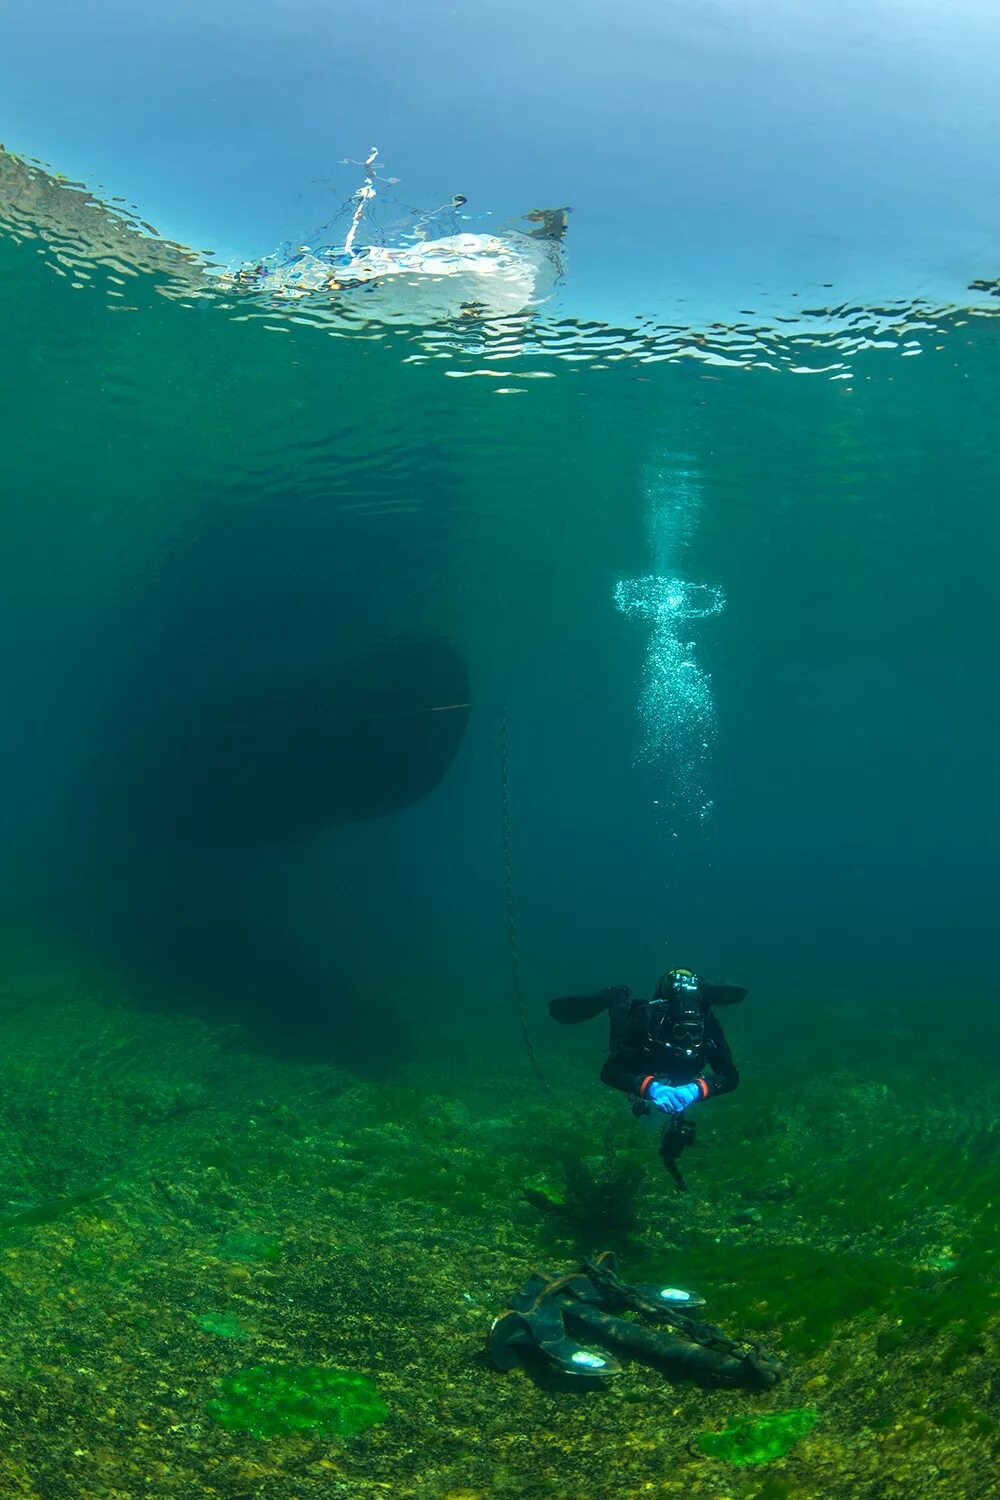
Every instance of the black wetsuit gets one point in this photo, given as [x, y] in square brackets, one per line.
[636, 1054]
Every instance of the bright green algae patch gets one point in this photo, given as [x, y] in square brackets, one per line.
[271, 1399]
[222, 1325]
[759, 1440]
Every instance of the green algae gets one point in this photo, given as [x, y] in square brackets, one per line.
[244, 1246]
[542, 1192]
[960, 1414]
[902, 1223]
[602, 1196]
[56, 1208]
[268, 1400]
[797, 1293]
[772, 1256]
[221, 1325]
[759, 1440]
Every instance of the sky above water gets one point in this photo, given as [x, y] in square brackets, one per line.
[719, 156]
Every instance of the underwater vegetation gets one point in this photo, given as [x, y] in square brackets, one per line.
[602, 1197]
[759, 1440]
[266, 1400]
[247, 1246]
[221, 1325]
[312, 1222]
[589, 1199]
[47, 1213]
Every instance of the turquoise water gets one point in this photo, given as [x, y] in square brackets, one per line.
[727, 593]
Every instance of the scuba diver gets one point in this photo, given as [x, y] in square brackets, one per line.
[665, 1053]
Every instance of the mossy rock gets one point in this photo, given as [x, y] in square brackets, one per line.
[268, 1400]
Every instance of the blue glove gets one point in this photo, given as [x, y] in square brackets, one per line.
[672, 1100]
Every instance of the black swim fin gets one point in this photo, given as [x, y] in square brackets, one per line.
[572, 1009]
[721, 994]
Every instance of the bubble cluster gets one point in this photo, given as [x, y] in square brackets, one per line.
[676, 706]
[666, 600]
